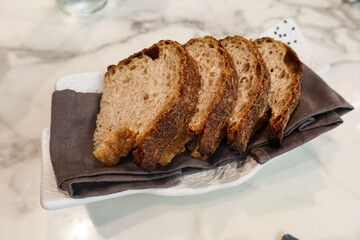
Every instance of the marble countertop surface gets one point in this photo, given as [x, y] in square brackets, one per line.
[312, 192]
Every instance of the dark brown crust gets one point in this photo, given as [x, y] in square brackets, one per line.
[214, 127]
[240, 132]
[176, 146]
[278, 122]
[177, 115]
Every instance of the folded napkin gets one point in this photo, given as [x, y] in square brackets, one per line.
[77, 171]
[318, 111]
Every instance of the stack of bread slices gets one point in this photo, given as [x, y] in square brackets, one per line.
[171, 98]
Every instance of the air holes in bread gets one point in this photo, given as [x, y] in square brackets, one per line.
[205, 54]
[126, 80]
[245, 67]
[153, 52]
[243, 81]
[291, 60]
[282, 74]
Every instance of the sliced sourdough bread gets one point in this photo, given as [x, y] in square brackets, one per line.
[285, 70]
[251, 107]
[148, 99]
[217, 95]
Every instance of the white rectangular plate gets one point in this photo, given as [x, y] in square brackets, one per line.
[228, 175]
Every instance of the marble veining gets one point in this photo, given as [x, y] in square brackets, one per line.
[18, 150]
[317, 184]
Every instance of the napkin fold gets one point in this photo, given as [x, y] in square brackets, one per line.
[318, 111]
[77, 171]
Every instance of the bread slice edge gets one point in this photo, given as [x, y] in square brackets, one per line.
[279, 122]
[164, 138]
[252, 116]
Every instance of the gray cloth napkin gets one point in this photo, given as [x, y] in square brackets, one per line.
[77, 171]
[318, 111]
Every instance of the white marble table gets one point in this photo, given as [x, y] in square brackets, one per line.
[312, 192]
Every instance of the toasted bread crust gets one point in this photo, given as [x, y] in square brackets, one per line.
[166, 135]
[213, 128]
[217, 121]
[251, 117]
[279, 121]
[177, 115]
[176, 146]
[117, 144]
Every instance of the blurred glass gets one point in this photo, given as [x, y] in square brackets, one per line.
[81, 7]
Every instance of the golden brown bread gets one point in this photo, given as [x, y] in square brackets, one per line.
[148, 99]
[249, 113]
[285, 71]
[217, 95]
[162, 97]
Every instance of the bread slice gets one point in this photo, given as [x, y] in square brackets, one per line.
[249, 113]
[217, 95]
[146, 102]
[285, 71]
